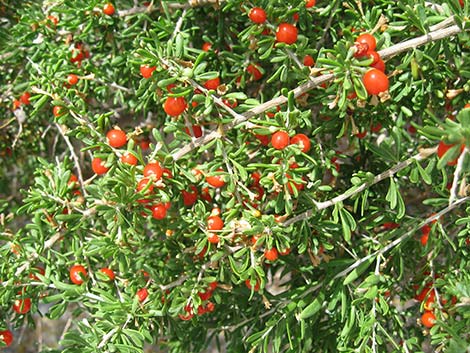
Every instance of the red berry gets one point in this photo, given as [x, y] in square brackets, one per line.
[375, 56]
[37, 270]
[53, 19]
[205, 295]
[154, 169]
[424, 239]
[442, 148]
[308, 60]
[129, 158]
[303, 141]
[254, 72]
[108, 9]
[271, 254]
[146, 71]
[368, 39]
[206, 46]
[213, 285]
[142, 294]
[116, 138]
[263, 139]
[22, 306]
[361, 135]
[108, 272]
[379, 65]
[57, 111]
[310, 3]
[16, 104]
[72, 79]
[256, 286]
[215, 223]
[285, 252]
[7, 337]
[257, 15]
[286, 33]
[196, 131]
[77, 273]
[231, 102]
[428, 319]
[174, 106]
[217, 181]
[158, 211]
[213, 238]
[361, 50]
[25, 98]
[375, 81]
[189, 198]
[212, 84]
[98, 166]
[280, 140]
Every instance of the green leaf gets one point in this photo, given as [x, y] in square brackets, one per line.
[313, 307]
[356, 272]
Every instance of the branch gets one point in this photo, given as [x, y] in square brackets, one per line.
[315, 82]
[423, 154]
[171, 5]
[403, 237]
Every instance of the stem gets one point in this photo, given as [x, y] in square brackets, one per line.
[356, 190]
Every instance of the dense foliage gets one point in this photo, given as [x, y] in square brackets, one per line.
[264, 176]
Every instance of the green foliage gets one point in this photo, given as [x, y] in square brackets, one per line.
[364, 221]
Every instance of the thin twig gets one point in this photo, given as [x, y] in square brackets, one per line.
[74, 158]
[402, 238]
[355, 190]
[457, 172]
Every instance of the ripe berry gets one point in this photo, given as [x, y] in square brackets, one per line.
[375, 81]
[263, 139]
[443, 147]
[174, 106]
[215, 223]
[116, 138]
[428, 319]
[217, 181]
[310, 3]
[7, 337]
[195, 131]
[129, 158]
[368, 39]
[254, 72]
[97, 164]
[72, 79]
[308, 60]
[108, 9]
[22, 306]
[77, 273]
[424, 239]
[142, 294]
[158, 211]
[256, 286]
[206, 46]
[271, 254]
[379, 65]
[213, 238]
[57, 111]
[189, 198]
[25, 98]
[280, 140]
[154, 169]
[146, 71]
[374, 55]
[108, 272]
[301, 140]
[286, 33]
[37, 269]
[257, 15]
[212, 84]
